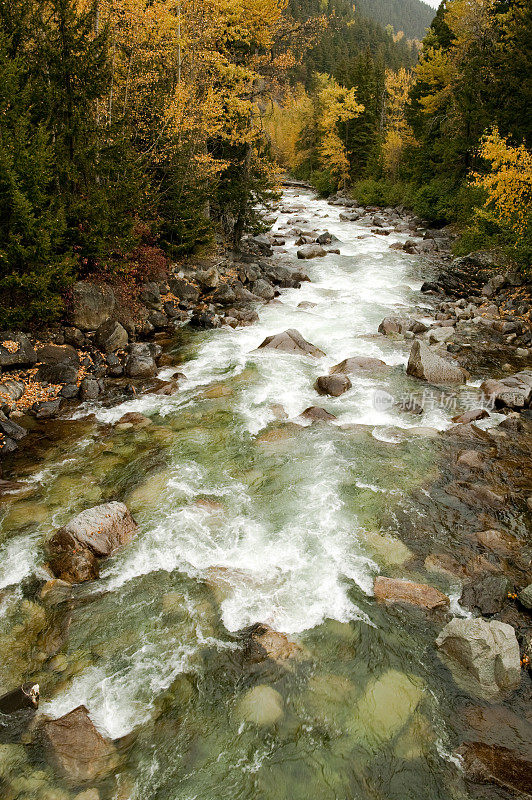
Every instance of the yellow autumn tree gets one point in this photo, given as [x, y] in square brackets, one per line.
[508, 184]
[398, 134]
[336, 105]
[283, 121]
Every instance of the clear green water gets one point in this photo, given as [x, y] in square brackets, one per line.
[247, 518]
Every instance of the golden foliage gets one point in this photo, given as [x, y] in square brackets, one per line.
[398, 134]
[508, 184]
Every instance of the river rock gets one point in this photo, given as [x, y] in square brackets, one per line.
[77, 749]
[393, 590]
[439, 335]
[16, 350]
[11, 390]
[111, 336]
[333, 385]
[24, 697]
[427, 365]
[140, 362]
[92, 305]
[401, 325]
[183, 289]
[360, 364]
[513, 392]
[482, 656]
[262, 642]
[263, 289]
[291, 341]
[387, 704]
[486, 595]
[317, 414]
[311, 251]
[11, 429]
[261, 705]
[471, 416]
[74, 550]
[525, 596]
[498, 748]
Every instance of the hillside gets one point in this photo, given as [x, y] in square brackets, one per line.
[411, 16]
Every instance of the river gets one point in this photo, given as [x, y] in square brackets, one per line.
[247, 514]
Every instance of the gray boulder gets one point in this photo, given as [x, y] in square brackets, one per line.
[439, 335]
[16, 350]
[333, 385]
[92, 305]
[11, 390]
[263, 289]
[525, 596]
[183, 289]
[482, 656]
[427, 365]
[512, 392]
[291, 341]
[111, 336]
[140, 362]
[311, 251]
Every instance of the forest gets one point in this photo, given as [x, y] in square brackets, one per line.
[136, 133]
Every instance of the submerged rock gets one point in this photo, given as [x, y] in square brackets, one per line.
[73, 551]
[482, 656]
[427, 365]
[498, 748]
[77, 749]
[387, 704]
[392, 590]
[291, 341]
[261, 705]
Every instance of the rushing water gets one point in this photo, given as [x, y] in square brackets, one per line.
[246, 517]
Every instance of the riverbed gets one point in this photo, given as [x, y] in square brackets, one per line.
[248, 513]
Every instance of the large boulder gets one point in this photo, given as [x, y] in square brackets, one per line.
[92, 305]
[360, 364]
[482, 656]
[387, 705]
[427, 365]
[140, 362]
[291, 341]
[77, 749]
[393, 590]
[16, 350]
[333, 385]
[111, 336]
[74, 550]
[311, 251]
[183, 289]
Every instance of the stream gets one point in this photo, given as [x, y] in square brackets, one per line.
[247, 514]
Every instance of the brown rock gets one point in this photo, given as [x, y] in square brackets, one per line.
[498, 747]
[392, 590]
[261, 643]
[315, 413]
[471, 416]
[356, 364]
[95, 533]
[333, 385]
[291, 341]
[471, 459]
[77, 749]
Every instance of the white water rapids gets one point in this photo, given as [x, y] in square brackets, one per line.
[290, 548]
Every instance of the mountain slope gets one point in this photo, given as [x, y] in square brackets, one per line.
[410, 16]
